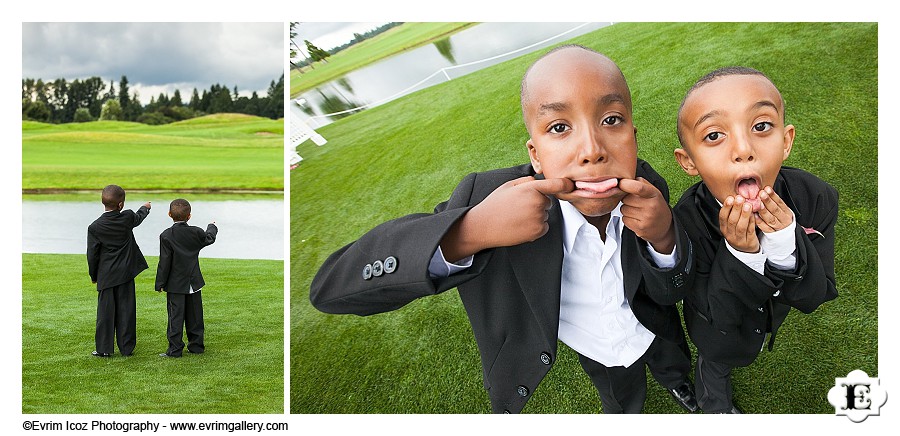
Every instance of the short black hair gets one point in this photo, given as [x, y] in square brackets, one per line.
[179, 209]
[112, 195]
[734, 70]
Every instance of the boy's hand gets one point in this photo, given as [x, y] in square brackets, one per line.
[774, 214]
[515, 213]
[738, 225]
[646, 213]
[147, 205]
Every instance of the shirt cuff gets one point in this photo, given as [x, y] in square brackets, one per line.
[438, 267]
[780, 246]
[662, 260]
[756, 261]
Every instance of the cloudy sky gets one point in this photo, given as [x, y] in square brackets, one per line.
[157, 57]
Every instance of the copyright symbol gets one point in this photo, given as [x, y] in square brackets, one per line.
[27, 425]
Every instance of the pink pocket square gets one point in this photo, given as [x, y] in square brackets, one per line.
[810, 231]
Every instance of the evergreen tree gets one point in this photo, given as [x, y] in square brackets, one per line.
[195, 101]
[176, 99]
[315, 53]
[124, 100]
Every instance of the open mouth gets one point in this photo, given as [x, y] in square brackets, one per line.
[749, 189]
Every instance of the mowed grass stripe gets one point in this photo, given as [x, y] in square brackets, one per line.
[406, 36]
[229, 151]
[406, 156]
[241, 371]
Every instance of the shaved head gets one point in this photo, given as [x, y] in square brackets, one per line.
[554, 65]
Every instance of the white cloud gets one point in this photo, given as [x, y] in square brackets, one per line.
[156, 55]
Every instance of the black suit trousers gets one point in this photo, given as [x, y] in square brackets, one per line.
[185, 313]
[116, 318]
[624, 390]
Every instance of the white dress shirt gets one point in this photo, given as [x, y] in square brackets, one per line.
[595, 318]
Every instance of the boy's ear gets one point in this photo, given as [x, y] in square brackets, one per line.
[532, 154]
[170, 214]
[687, 164]
[789, 133]
[188, 217]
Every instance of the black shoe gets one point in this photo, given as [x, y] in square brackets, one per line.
[167, 355]
[684, 396]
[734, 411]
[96, 354]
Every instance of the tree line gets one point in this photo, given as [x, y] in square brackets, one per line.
[316, 54]
[83, 100]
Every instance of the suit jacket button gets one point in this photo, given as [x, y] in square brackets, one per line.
[377, 268]
[757, 331]
[390, 264]
[798, 278]
[545, 358]
[777, 293]
[522, 390]
[367, 271]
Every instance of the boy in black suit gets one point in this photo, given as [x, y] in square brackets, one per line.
[178, 273]
[580, 245]
[114, 260]
[763, 233]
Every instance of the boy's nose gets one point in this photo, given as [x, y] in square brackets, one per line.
[742, 149]
[592, 149]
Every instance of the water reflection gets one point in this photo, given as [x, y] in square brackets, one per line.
[445, 48]
[394, 77]
[248, 229]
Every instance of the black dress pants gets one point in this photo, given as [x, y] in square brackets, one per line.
[713, 384]
[185, 314]
[116, 319]
[624, 390]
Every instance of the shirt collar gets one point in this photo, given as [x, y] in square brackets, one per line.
[573, 220]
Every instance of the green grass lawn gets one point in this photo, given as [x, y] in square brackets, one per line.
[406, 156]
[406, 36]
[241, 372]
[223, 151]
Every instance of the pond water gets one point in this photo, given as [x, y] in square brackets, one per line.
[248, 229]
[395, 76]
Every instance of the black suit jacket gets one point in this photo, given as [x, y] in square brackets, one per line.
[511, 294]
[731, 307]
[113, 255]
[179, 257]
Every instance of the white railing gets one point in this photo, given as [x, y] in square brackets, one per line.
[444, 72]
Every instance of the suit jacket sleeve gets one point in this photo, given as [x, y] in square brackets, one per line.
[340, 285]
[165, 263]
[139, 216]
[210, 235]
[93, 254]
[666, 286]
[735, 288]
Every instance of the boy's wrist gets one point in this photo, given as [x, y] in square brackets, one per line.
[463, 239]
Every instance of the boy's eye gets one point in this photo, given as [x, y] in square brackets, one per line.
[612, 120]
[559, 128]
[713, 136]
[762, 127]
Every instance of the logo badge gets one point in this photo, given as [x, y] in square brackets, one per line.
[857, 396]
